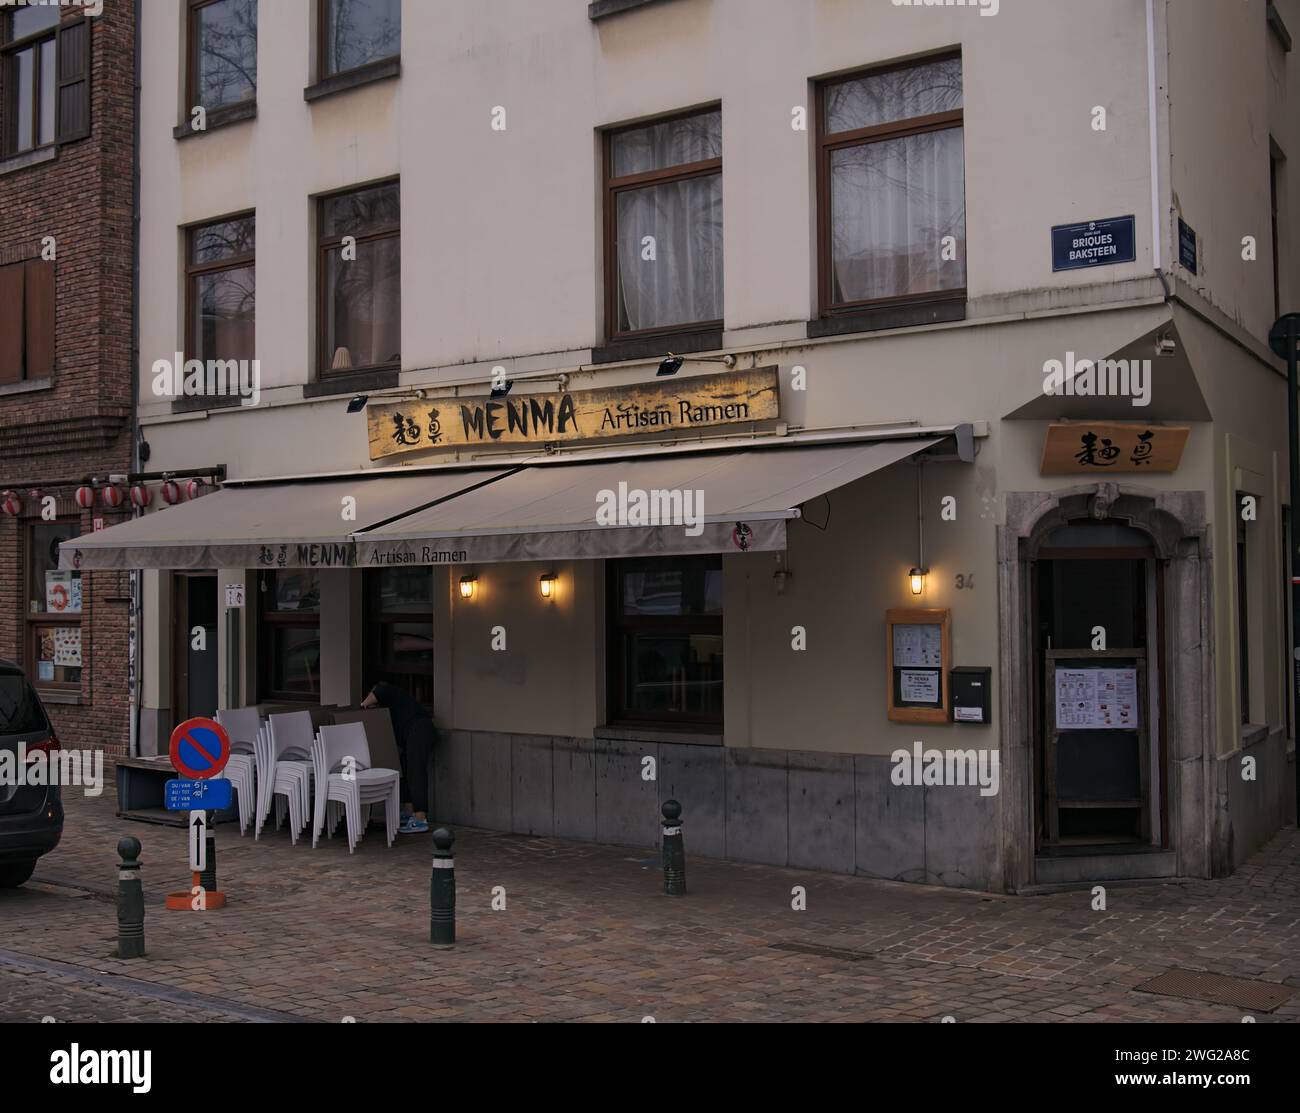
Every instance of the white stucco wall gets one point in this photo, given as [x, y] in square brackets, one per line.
[502, 263]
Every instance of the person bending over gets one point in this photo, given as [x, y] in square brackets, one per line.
[414, 732]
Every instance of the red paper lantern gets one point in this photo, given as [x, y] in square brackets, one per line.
[171, 493]
[112, 496]
[194, 488]
[140, 495]
[11, 503]
[85, 497]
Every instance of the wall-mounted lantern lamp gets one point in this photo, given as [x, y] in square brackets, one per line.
[468, 585]
[916, 576]
[547, 585]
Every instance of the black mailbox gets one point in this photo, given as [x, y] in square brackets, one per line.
[971, 693]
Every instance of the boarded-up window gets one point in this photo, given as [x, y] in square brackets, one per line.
[26, 321]
[39, 277]
[12, 323]
[74, 81]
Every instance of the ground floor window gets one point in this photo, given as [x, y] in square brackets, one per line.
[53, 609]
[289, 635]
[398, 630]
[665, 640]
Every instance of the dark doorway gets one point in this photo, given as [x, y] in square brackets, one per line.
[195, 611]
[397, 626]
[1098, 765]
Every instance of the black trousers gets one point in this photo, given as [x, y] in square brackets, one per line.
[416, 749]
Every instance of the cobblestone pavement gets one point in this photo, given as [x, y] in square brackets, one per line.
[587, 934]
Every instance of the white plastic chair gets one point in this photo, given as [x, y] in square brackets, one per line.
[243, 726]
[342, 764]
[286, 771]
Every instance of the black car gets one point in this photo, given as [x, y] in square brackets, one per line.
[31, 815]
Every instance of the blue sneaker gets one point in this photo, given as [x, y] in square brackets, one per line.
[412, 826]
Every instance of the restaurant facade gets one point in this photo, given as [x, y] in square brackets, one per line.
[943, 541]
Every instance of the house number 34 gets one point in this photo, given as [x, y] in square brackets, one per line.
[966, 581]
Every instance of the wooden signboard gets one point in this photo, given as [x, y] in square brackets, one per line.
[671, 405]
[918, 656]
[1095, 447]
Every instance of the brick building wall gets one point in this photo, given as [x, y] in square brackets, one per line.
[79, 425]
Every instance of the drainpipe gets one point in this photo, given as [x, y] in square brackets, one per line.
[1157, 223]
[133, 713]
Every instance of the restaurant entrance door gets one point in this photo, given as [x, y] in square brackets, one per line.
[1099, 761]
[195, 612]
[397, 622]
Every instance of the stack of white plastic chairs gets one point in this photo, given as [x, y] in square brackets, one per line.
[243, 726]
[284, 771]
[341, 756]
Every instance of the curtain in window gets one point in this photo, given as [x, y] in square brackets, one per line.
[365, 305]
[669, 234]
[670, 254]
[892, 204]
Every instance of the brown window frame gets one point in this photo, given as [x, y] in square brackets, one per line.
[270, 620]
[323, 246]
[9, 48]
[322, 47]
[619, 626]
[614, 186]
[191, 60]
[34, 622]
[197, 270]
[861, 137]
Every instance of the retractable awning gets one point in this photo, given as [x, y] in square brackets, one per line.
[651, 505]
[275, 525]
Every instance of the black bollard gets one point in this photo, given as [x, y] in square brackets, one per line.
[674, 850]
[442, 890]
[130, 901]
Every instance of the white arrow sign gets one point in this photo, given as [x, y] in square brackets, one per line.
[198, 842]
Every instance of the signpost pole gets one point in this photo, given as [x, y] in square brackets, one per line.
[208, 875]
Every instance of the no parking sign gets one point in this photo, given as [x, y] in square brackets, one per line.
[200, 749]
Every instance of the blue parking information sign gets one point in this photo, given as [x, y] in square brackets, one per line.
[197, 796]
[1098, 243]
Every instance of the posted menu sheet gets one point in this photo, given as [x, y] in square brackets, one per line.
[918, 646]
[919, 685]
[1096, 699]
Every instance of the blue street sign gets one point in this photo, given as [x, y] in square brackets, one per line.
[1186, 245]
[197, 796]
[1098, 243]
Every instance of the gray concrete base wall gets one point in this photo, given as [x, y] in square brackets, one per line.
[1250, 812]
[838, 813]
